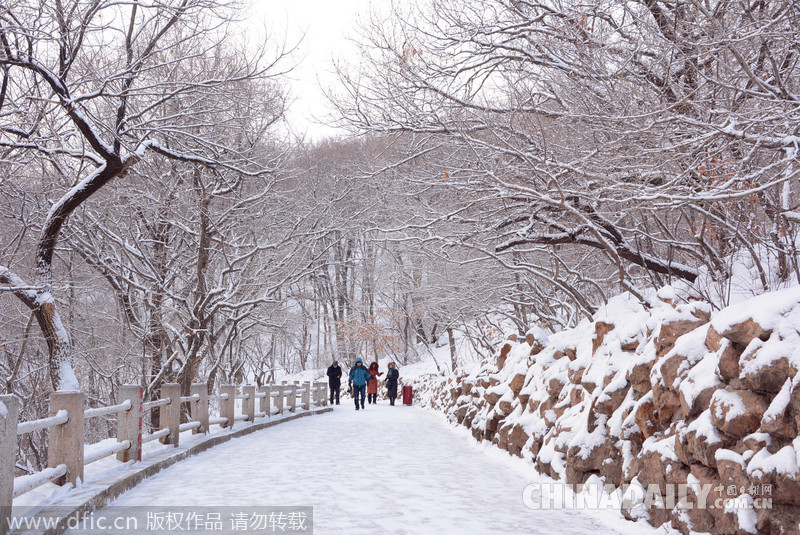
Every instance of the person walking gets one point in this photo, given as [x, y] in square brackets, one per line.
[372, 388]
[391, 383]
[359, 376]
[334, 380]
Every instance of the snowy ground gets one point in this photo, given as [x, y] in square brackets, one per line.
[382, 470]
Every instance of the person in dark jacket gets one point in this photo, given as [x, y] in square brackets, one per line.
[335, 380]
[359, 376]
[372, 386]
[391, 383]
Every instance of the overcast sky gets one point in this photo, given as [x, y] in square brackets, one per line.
[325, 25]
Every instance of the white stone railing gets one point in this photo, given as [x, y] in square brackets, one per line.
[66, 456]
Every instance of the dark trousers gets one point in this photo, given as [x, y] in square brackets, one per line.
[335, 393]
[372, 398]
[359, 391]
[391, 399]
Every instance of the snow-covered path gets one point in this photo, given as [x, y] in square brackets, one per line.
[382, 470]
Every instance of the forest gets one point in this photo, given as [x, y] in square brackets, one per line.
[507, 162]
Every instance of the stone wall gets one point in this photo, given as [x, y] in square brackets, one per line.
[652, 394]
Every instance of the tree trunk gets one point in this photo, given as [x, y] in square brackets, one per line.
[62, 375]
[451, 339]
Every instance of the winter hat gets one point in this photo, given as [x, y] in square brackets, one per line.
[335, 362]
[359, 360]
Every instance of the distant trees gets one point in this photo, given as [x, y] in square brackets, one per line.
[381, 285]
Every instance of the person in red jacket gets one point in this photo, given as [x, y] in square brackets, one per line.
[372, 385]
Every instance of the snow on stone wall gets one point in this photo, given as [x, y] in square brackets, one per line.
[658, 393]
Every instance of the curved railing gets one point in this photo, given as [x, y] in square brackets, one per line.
[67, 454]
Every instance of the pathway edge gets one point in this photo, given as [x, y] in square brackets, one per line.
[84, 501]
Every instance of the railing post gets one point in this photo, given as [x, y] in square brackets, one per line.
[249, 403]
[65, 443]
[325, 394]
[265, 404]
[227, 407]
[292, 398]
[307, 396]
[198, 407]
[9, 417]
[279, 399]
[129, 423]
[171, 413]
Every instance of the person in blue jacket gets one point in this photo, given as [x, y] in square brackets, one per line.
[359, 375]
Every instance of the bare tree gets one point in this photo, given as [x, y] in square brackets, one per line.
[92, 89]
[652, 137]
